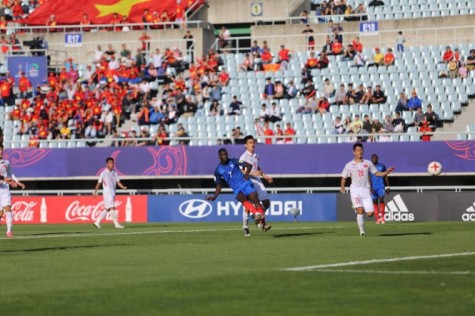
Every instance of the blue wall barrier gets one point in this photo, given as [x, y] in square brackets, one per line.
[194, 208]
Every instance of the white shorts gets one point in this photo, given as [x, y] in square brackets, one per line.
[5, 198]
[109, 201]
[260, 188]
[361, 197]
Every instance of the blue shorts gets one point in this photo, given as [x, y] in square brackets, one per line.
[378, 192]
[246, 188]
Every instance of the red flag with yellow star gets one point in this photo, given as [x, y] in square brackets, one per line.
[68, 12]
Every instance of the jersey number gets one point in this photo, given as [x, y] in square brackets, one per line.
[360, 173]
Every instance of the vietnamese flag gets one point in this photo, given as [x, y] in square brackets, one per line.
[70, 12]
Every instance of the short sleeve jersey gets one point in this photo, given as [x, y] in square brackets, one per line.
[252, 159]
[358, 171]
[5, 171]
[378, 182]
[230, 173]
[109, 181]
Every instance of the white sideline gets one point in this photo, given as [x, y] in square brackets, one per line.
[355, 263]
[395, 272]
[153, 232]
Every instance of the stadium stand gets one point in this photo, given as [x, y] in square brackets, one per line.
[149, 91]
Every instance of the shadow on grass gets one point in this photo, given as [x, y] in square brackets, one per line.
[298, 234]
[405, 234]
[58, 248]
[57, 233]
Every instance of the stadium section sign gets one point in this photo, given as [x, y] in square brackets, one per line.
[73, 39]
[369, 28]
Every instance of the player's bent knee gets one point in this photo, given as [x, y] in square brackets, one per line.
[369, 214]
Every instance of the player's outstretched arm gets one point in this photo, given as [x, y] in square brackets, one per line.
[216, 193]
[385, 173]
[121, 185]
[20, 184]
[98, 184]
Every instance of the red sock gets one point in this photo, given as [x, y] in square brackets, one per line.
[382, 206]
[251, 208]
[376, 213]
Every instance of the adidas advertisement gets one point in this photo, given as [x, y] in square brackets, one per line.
[457, 206]
[400, 207]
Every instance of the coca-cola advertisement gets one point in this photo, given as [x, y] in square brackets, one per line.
[75, 209]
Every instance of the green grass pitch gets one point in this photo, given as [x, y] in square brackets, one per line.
[211, 269]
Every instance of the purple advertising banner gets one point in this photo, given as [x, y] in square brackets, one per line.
[34, 67]
[321, 159]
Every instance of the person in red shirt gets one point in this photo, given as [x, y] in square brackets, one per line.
[145, 41]
[266, 56]
[5, 92]
[24, 85]
[323, 61]
[147, 18]
[279, 132]
[357, 45]
[116, 21]
[448, 55]
[52, 23]
[85, 22]
[389, 57]
[337, 47]
[323, 105]
[312, 61]
[3, 24]
[223, 78]
[289, 131]
[425, 130]
[180, 13]
[284, 57]
[268, 133]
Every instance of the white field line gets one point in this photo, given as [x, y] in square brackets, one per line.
[355, 263]
[122, 233]
[395, 272]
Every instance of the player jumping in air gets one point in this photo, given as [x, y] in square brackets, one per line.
[229, 171]
[358, 169]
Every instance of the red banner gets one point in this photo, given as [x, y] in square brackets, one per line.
[101, 11]
[75, 209]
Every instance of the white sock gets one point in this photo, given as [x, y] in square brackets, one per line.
[114, 217]
[360, 221]
[9, 219]
[102, 216]
[245, 219]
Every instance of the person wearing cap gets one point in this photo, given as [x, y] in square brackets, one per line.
[402, 102]
[378, 58]
[389, 57]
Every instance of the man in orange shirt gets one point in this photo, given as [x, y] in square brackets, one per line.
[389, 57]
[85, 22]
[269, 133]
[337, 47]
[24, 85]
[5, 93]
[284, 57]
[289, 131]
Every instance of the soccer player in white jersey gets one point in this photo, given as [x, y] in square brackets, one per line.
[255, 176]
[5, 196]
[109, 179]
[358, 169]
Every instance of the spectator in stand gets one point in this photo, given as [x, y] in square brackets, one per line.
[85, 23]
[312, 61]
[328, 89]
[268, 133]
[414, 102]
[181, 133]
[347, 124]
[340, 96]
[357, 45]
[425, 130]
[280, 90]
[448, 55]
[161, 138]
[304, 17]
[323, 61]
[338, 126]
[359, 60]
[378, 95]
[350, 95]
[418, 118]
[224, 38]
[279, 133]
[400, 40]
[310, 39]
[470, 64]
[215, 109]
[349, 53]
[247, 64]
[235, 106]
[389, 58]
[388, 123]
[367, 126]
[377, 126]
[51, 23]
[431, 116]
[361, 11]
[378, 58]
[266, 57]
[264, 113]
[255, 49]
[24, 86]
[402, 102]
[337, 47]
[375, 3]
[289, 131]
[399, 124]
[356, 125]
[283, 57]
[269, 89]
[292, 90]
[322, 106]
[368, 96]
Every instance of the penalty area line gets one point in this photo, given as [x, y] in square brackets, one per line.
[154, 232]
[364, 262]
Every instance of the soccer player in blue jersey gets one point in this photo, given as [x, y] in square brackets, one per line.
[379, 187]
[229, 171]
